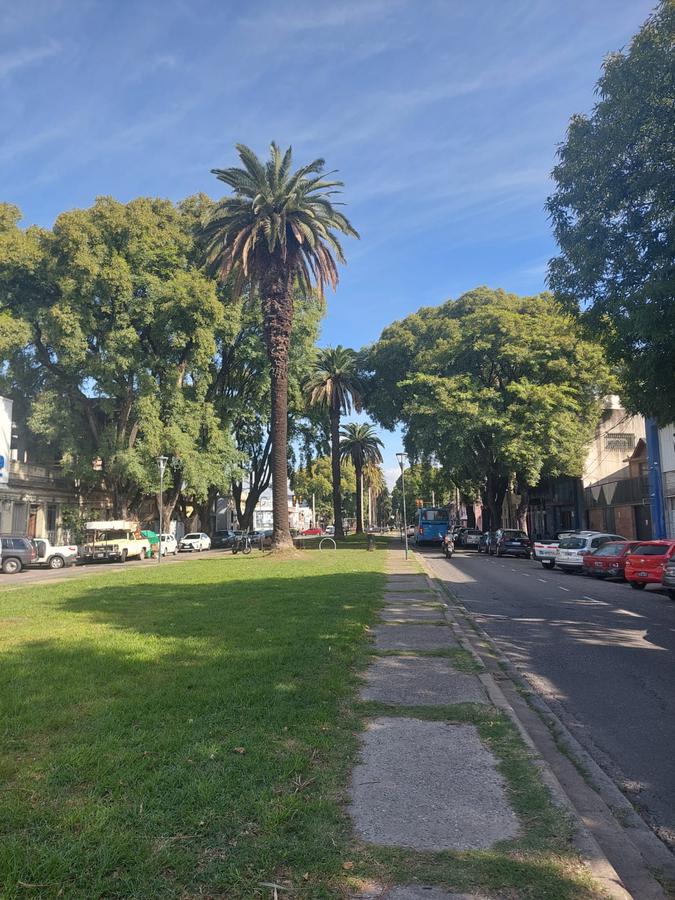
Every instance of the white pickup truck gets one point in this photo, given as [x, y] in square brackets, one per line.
[117, 541]
[52, 557]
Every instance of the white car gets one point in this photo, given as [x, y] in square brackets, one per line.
[545, 550]
[196, 540]
[169, 544]
[572, 549]
[53, 557]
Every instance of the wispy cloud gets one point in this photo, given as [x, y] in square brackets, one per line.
[330, 16]
[26, 56]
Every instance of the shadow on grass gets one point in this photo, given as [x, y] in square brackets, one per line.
[172, 740]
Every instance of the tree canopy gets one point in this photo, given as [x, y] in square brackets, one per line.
[613, 214]
[492, 386]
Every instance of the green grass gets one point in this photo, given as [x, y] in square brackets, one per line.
[188, 732]
[182, 732]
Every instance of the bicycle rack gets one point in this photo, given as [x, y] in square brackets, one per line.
[323, 541]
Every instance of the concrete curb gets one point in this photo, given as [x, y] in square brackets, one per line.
[594, 857]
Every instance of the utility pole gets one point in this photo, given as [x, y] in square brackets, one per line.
[161, 462]
[401, 461]
[313, 511]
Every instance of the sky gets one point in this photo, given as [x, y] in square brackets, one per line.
[442, 117]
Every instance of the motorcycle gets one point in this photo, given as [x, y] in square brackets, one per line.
[448, 546]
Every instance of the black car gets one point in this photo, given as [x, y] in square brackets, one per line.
[511, 541]
[484, 542]
[222, 540]
[668, 580]
[17, 553]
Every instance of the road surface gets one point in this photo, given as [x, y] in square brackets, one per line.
[601, 654]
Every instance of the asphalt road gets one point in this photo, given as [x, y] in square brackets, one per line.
[601, 654]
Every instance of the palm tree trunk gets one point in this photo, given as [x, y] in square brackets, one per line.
[335, 465]
[359, 500]
[278, 315]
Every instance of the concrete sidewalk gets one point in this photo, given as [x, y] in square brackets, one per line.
[429, 784]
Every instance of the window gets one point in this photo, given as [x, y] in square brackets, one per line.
[434, 515]
[619, 442]
[573, 543]
[611, 550]
[651, 550]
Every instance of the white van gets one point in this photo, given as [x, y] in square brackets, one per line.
[572, 548]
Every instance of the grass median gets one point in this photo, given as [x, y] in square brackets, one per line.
[183, 731]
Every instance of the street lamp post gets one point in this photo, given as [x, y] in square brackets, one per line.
[401, 461]
[161, 462]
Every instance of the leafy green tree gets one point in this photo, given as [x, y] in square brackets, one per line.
[360, 443]
[277, 232]
[333, 386]
[491, 385]
[613, 214]
[122, 323]
[316, 480]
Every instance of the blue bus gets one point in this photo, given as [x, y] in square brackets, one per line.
[431, 524]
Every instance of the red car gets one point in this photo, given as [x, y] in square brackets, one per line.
[311, 532]
[647, 562]
[609, 560]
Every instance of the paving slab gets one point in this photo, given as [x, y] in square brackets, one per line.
[413, 637]
[428, 786]
[413, 612]
[405, 582]
[410, 596]
[420, 681]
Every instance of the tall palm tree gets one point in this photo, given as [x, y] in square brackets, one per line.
[275, 233]
[333, 385]
[362, 446]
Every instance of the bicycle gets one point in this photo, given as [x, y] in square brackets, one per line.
[243, 543]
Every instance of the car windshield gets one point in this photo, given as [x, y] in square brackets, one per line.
[650, 550]
[512, 535]
[112, 536]
[435, 515]
[191, 537]
[610, 550]
[572, 543]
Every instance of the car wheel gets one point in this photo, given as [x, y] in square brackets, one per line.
[671, 594]
[11, 566]
[549, 564]
[56, 562]
[499, 554]
[565, 570]
[637, 585]
[175, 552]
[123, 556]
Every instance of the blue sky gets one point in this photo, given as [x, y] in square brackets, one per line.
[442, 116]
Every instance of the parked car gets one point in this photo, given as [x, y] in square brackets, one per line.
[609, 560]
[223, 539]
[646, 563]
[311, 532]
[51, 557]
[17, 553]
[470, 538]
[511, 541]
[116, 540]
[668, 580]
[573, 548]
[410, 531]
[330, 530]
[196, 540]
[484, 542]
[545, 550]
[169, 544]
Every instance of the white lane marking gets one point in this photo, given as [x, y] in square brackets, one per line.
[524, 574]
[543, 580]
[514, 570]
[564, 589]
[586, 597]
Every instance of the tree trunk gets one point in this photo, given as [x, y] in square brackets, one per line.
[259, 480]
[523, 507]
[359, 500]
[278, 316]
[335, 465]
[495, 491]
